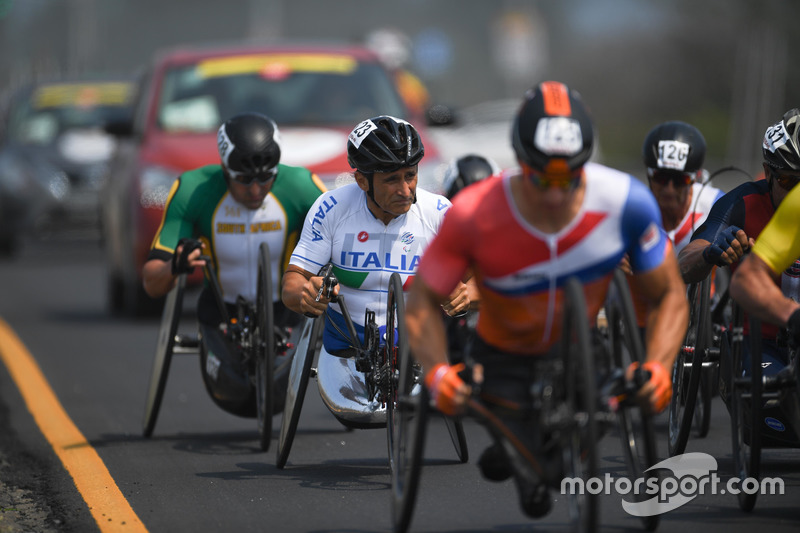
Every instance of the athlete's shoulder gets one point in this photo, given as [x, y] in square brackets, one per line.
[207, 182]
[749, 188]
[208, 174]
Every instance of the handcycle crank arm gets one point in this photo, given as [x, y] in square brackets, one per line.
[351, 328]
[482, 413]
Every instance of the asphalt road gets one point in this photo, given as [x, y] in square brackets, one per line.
[202, 470]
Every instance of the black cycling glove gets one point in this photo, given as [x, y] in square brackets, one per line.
[793, 328]
[180, 262]
[713, 252]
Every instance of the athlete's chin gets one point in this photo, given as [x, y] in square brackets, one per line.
[253, 205]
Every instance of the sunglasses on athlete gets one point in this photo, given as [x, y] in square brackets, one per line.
[247, 179]
[785, 180]
[663, 177]
[544, 181]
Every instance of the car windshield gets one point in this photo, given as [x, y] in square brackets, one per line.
[293, 90]
[55, 109]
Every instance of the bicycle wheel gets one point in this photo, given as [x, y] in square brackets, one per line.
[456, 430]
[579, 450]
[264, 344]
[307, 346]
[408, 423]
[396, 341]
[635, 426]
[745, 407]
[688, 369]
[165, 345]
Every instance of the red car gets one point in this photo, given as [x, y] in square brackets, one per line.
[316, 94]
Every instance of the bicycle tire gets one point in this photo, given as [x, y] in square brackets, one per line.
[455, 428]
[688, 369]
[636, 430]
[308, 345]
[580, 453]
[264, 343]
[396, 334]
[746, 455]
[408, 425]
[165, 345]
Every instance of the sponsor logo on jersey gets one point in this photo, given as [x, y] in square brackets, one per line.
[407, 239]
[363, 236]
[650, 237]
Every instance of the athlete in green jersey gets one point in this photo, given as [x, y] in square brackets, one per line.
[231, 209]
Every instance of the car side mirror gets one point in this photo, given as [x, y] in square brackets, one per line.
[440, 115]
[119, 128]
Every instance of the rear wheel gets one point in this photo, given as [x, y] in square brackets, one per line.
[165, 346]
[579, 451]
[264, 343]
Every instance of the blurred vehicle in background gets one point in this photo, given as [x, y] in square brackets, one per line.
[315, 93]
[53, 153]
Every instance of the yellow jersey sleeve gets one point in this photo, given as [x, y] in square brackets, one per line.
[779, 244]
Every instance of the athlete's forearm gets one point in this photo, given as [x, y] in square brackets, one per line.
[426, 333]
[668, 317]
[692, 264]
[157, 278]
[754, 288]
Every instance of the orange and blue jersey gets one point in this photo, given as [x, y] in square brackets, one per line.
[521, 270]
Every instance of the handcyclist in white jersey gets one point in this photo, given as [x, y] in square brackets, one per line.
[367, 230]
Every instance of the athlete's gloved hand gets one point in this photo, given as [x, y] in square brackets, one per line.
[793, 327]
[445, 385]
[658, 390]
[724, 241]
[180, 261]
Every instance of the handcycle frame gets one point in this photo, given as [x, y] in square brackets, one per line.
[376, 361]
[252, 331]
[566, 409]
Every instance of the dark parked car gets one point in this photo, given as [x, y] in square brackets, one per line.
[316, 94]
[53, 153]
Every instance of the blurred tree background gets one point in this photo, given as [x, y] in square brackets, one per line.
[722, 65]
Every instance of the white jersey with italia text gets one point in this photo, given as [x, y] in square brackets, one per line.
[340, 229]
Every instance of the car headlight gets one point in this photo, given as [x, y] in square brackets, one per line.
[155, 183]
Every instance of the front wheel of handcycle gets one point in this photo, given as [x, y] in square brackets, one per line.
[165, 345]
[688, 372]
[636, 430]
[308, 345]
[579, 449]
[406, 421]
[265, 349]
[745, 408]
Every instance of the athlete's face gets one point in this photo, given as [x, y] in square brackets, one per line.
[394, 192]
[251, 195]
[672, 190]
[783, 181]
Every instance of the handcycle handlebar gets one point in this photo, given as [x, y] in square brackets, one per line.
[329, 281]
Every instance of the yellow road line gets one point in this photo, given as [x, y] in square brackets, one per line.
[108, 506]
